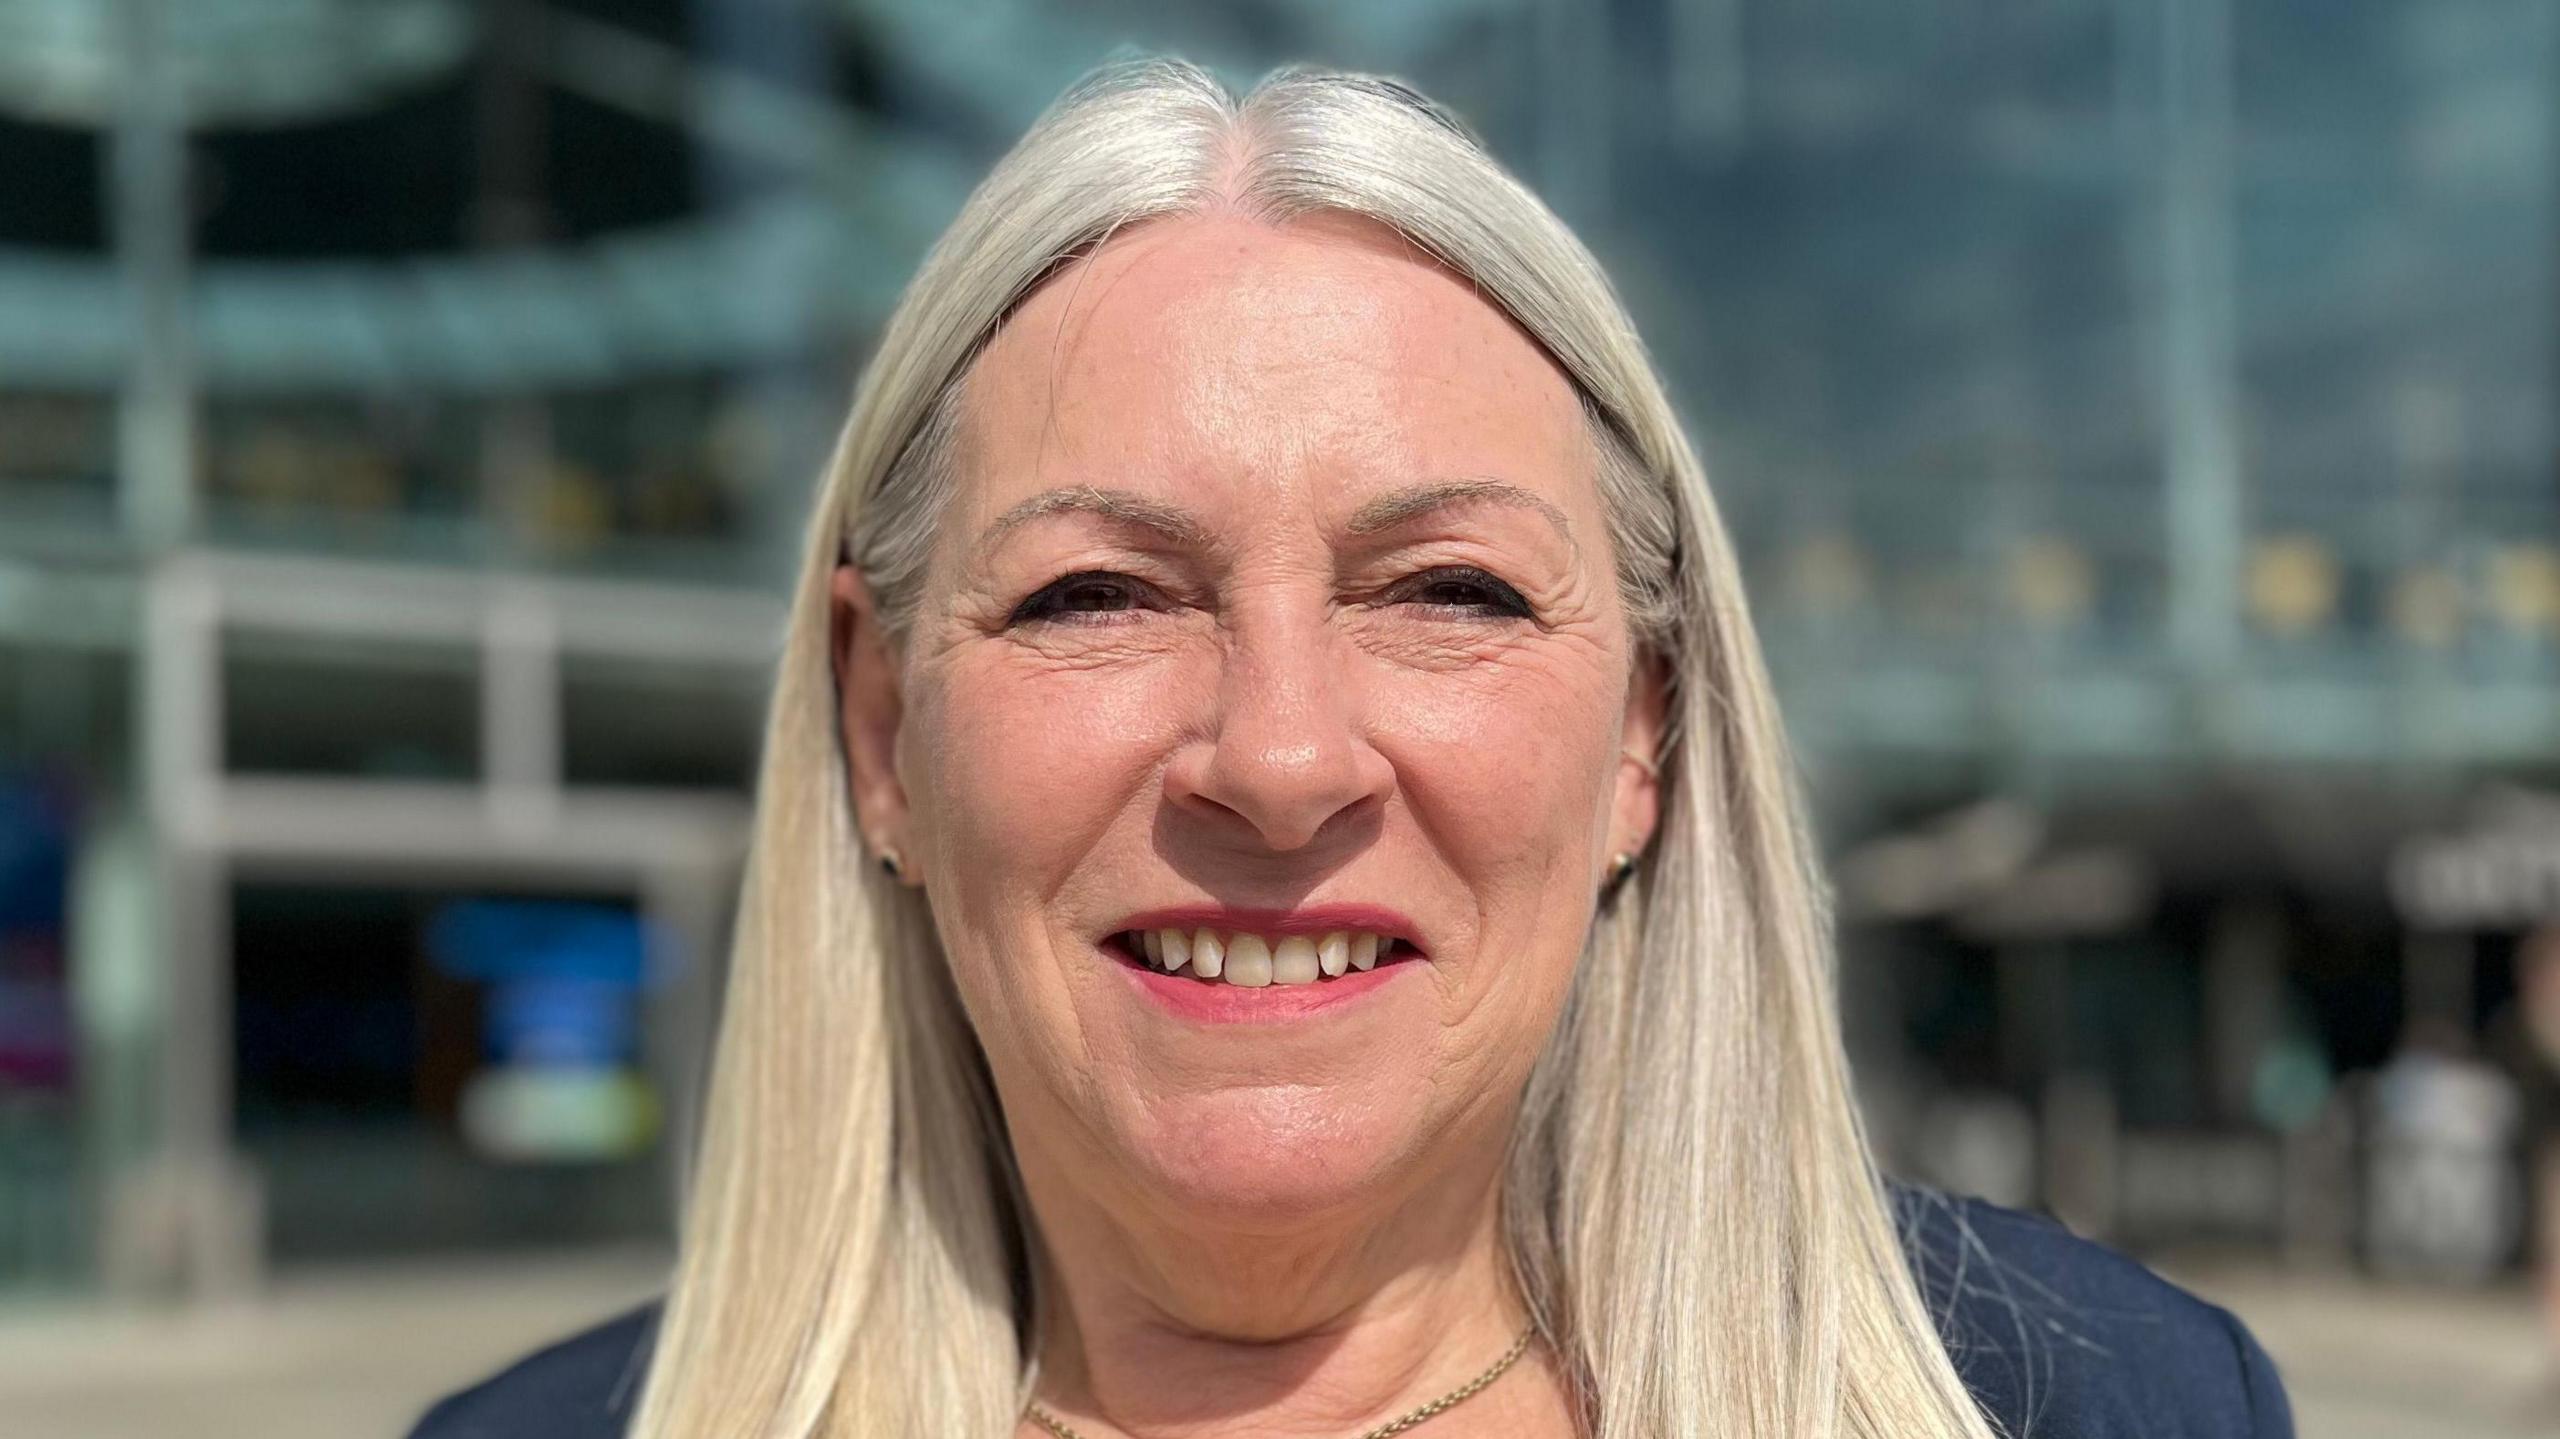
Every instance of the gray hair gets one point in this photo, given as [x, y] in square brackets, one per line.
[1690, 1203]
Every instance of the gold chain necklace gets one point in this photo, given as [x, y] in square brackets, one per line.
[1041, 1416]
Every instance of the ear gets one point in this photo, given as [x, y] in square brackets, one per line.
[1638, 805]
[868, 710]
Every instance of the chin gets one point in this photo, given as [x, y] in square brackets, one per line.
[1275, 1157]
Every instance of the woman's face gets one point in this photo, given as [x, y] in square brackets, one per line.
[1276, 598]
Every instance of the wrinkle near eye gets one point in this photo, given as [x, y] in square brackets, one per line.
[1113, 638]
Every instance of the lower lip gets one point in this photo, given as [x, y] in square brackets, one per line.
[1218, 1002]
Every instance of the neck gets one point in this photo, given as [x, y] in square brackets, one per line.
[1171, 1327]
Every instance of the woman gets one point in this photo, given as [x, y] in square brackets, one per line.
[1337, 950]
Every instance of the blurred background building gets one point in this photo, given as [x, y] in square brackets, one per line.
[2138, 418]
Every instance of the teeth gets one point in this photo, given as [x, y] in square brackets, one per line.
[1248, 961]
[1253, 961]
[1293, 961]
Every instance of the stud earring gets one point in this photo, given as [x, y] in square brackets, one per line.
[893, 864]
[1621, 865]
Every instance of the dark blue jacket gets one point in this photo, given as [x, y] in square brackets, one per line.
[2057, 1338]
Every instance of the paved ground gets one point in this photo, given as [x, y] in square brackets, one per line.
[328, 1356]
[340, 1356]
[2365, 1361]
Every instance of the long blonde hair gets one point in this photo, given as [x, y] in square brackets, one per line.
[1690, 1203]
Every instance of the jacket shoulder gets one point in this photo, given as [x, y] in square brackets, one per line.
[582, 1387]
[2061, 1338]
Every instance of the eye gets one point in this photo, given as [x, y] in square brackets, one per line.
[1463, 587]
[1084, 592]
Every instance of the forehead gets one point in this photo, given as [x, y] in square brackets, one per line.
[1225, 362]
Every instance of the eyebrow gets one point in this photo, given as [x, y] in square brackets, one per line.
[1396, 507]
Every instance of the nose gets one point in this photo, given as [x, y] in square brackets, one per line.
[1289, 750]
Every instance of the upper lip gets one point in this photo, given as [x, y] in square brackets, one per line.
[1308, 919]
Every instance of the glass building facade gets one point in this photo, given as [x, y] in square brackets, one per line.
[2136, 418]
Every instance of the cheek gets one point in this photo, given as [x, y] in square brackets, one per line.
[1022, 767]
[1508, 772]
[1507, 763]
[1017, 776]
